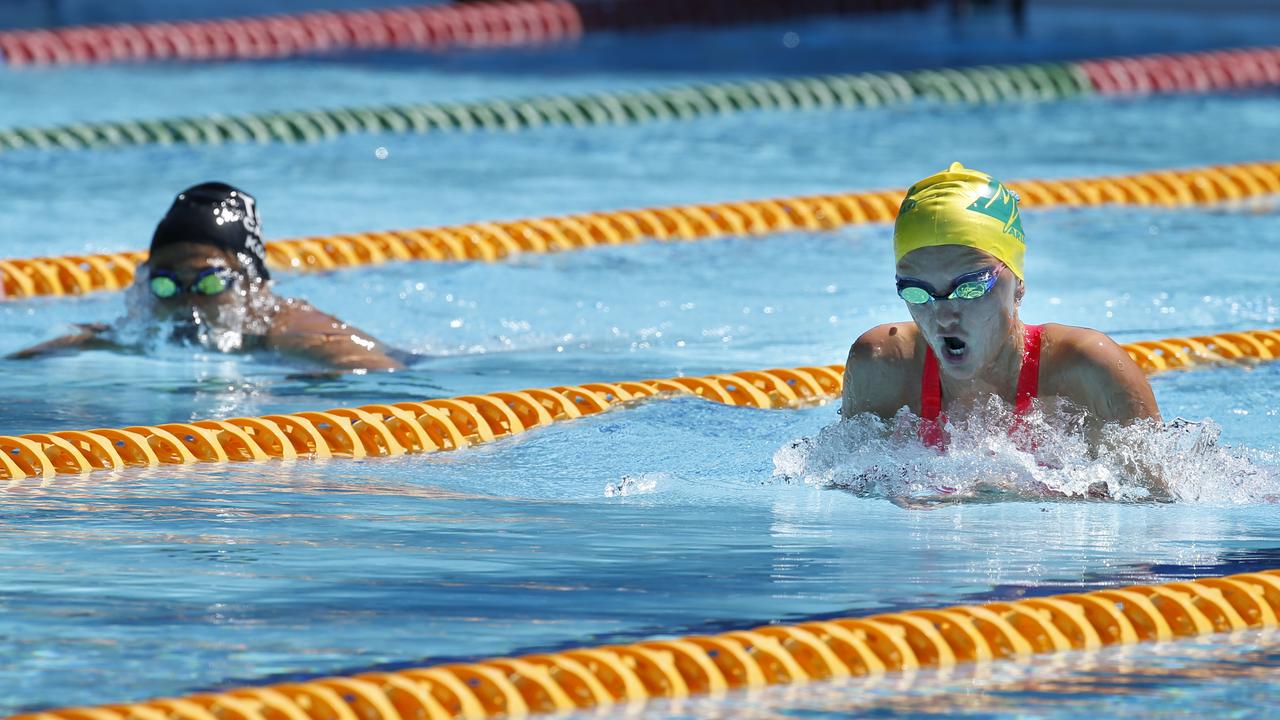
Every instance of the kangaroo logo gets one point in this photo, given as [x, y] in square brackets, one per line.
[998, 202]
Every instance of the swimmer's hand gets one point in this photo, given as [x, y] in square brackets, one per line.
[1194, 437]
[1198, 439]
[87, 336]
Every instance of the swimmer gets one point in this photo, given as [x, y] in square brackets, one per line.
[207, 279]
[958, 245]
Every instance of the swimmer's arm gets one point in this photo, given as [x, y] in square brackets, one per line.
[307, 333]
[88, 336]
[349, 350]
[873, 374]
[1113, 389]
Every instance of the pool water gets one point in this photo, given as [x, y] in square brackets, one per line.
[669, 518]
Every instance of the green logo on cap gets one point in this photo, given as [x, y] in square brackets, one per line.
[996, 201]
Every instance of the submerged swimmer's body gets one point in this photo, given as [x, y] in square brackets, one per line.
[206, 278]
[959, 247]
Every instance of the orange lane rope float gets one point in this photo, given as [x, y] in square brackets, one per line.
[451, 423]
[713, 664]
[495, 240]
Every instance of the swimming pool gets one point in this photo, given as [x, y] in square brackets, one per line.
[669, 518]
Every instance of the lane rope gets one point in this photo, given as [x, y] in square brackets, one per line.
[601, 676]
[496, 240]
[391, 429]
[1216, 71]
[473, 25]
[496, 23]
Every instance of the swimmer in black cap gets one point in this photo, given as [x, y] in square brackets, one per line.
[207, 277]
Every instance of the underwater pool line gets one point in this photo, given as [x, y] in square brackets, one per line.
[1198, 72]
[444, 424]
[770, 655]
[495, 240]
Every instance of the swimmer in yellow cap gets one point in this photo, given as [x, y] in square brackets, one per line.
[959, 245]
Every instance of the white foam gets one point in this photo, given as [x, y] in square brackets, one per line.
[641, 484]
[1051, 457]
[225, 329]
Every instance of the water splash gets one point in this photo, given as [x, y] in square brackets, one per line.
[634, 485]
[1052, 456]
[230, 326]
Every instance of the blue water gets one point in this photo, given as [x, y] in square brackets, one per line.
[668, 518]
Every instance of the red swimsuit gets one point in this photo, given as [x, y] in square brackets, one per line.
[932, 419]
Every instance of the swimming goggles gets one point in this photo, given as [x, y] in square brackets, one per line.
[210, 281]
[969, 286]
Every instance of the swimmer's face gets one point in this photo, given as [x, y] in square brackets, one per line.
[965, 335]
[186, 264]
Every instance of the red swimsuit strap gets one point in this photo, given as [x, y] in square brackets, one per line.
[1028, 378]
[930, 387]
[931, 432]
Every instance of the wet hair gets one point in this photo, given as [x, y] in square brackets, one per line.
[218, 215]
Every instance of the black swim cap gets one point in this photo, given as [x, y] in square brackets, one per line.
[215, 214]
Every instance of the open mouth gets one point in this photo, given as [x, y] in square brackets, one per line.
[954, 346]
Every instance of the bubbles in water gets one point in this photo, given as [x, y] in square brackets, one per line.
[633, 485]
[1051, 456]
[242, 315]
[381, 153]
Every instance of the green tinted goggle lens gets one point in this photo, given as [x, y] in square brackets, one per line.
[209, 282]
[215, 283]
[971, 290]
[163, 287]
[913, 295]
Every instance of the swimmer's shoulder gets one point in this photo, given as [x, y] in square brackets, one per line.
[296, 316]
[1088, 367]
[1066, 349]
[298, 328]
[882, 373]
[891, 345]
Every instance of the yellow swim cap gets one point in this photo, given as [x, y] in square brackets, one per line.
[961, 206]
